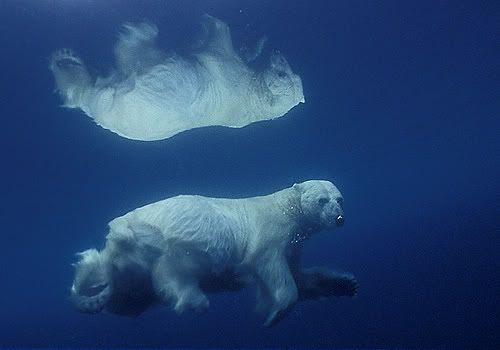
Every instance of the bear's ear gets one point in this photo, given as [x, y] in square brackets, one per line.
[297, 187]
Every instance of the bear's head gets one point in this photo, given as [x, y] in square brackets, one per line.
[284, 85]
[321, 203]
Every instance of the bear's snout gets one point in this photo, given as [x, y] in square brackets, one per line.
[340, 220]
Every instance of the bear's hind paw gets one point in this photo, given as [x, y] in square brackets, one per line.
[198, 304]
[65, 58]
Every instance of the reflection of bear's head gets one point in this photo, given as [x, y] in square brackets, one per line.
[321, 203]
[285, 86]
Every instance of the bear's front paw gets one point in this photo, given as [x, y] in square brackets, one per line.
[352, 286]
[339, 285]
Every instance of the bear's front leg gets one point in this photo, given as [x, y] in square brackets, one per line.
[277, 290]
[317, 282]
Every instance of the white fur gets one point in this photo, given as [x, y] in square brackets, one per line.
[176, 250]
[152, 95]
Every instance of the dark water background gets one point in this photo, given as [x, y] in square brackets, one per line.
[402, 114]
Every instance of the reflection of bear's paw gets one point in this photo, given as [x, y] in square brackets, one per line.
[65, 58]
[71, 75]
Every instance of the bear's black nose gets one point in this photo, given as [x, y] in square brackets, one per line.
[340, 220]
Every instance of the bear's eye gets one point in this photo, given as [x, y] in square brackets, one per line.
[323, 200]
[340, 200]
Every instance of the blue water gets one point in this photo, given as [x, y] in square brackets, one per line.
[402, 113]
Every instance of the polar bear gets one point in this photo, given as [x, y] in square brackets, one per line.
[177, 250]
[152, 95]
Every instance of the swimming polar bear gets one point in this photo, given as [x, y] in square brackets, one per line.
[177, 250]
[153, 95]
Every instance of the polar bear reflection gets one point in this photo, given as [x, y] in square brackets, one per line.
[153, 95]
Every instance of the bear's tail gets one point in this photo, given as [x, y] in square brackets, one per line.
[91, 289]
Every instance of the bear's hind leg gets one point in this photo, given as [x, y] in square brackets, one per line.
[175, 281]
[71, 75]
[91, 289]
